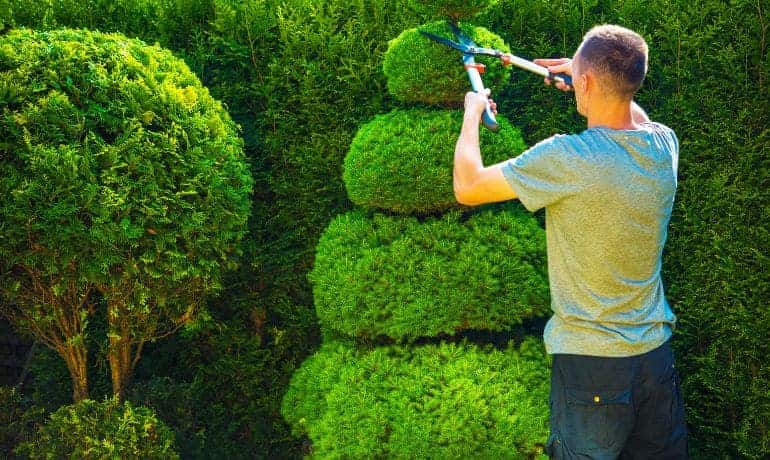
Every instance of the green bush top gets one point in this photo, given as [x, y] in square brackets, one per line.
[117, 168]
[405, 278]
[420, 70]
[402, 161]
[449, 400]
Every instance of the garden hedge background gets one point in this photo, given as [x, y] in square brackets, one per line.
[301, 77]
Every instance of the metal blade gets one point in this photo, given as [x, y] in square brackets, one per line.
[470, 45]
[446, 41]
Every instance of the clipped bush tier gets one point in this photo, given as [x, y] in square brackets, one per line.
[402, 160]
[116, 166]
[403, 278]
[454, 9]
[445, 401]
[419, 69]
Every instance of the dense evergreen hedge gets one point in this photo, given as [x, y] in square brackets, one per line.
[406, 278]
[419, 69]
[301, 82]
[452, 8]
[401, 161]
[451, 400]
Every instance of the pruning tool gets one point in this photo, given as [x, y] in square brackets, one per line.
[474, 69]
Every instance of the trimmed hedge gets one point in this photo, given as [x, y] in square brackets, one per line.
[404, 278]
[451, 8]
[420, 70]
[107, 429]
[451, 400]
[402, 160]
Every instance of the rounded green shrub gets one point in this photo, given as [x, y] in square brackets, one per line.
[402, 160]
[454, 9]
[420, 70]
[108, 429]
[115, 162]
[404, 278]
[120, 174]
[451, 400]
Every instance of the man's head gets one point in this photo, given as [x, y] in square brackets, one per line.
[615, 58]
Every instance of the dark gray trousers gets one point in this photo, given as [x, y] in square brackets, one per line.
[609, 408]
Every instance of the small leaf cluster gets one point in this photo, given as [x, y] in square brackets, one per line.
[421, 70]
[117, 168]
[449, 400]
[107, 429]
[453, 8]
[405, 278]
[402, 161]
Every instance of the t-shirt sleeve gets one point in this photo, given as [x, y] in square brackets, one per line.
[545, 173]
[668, 142]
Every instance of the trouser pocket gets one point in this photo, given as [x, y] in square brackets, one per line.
[598, 421]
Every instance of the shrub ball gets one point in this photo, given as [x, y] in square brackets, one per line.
[404, 278]
[420, 70]
[454, 400]
[118, 170]
[402, 161]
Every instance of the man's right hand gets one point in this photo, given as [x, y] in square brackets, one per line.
[559, 65]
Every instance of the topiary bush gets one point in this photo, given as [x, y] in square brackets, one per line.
[420, 70]
[121, 176]
[449, 400]
[401, 161]
[405, 278]
[108, 429]
[380, 278]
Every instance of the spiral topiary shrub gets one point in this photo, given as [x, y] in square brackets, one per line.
[451, 400]
[119, 174]
[402, 160]
[420, 70]
[108, 429]
[454, 9]
[403, 278]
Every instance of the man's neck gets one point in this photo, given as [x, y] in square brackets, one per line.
[613, 114]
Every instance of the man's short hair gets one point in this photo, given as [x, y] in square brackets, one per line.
[618, 56]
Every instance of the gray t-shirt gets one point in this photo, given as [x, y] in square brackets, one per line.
[608, 196]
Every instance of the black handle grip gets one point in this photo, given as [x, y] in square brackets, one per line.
[562, 76]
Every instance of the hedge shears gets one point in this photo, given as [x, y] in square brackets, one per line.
[474, 69]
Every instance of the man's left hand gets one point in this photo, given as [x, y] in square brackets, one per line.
[475, 103]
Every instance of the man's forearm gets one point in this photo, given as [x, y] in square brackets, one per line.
[467, 159]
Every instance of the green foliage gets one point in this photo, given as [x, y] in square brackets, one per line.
[405, 278]
[220, 387]
[108, 429]
[446, 400]
[420, 70]
[121, 174]
[451, 8]
[402, 160]
[18, 418]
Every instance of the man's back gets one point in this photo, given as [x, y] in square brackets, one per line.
[608, 196]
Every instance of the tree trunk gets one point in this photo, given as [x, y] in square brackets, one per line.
[76, 357]
[122, 360]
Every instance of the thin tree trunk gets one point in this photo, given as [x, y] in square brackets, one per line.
[120, 357]
[76, 358]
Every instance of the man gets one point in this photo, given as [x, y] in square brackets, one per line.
[608, 194]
